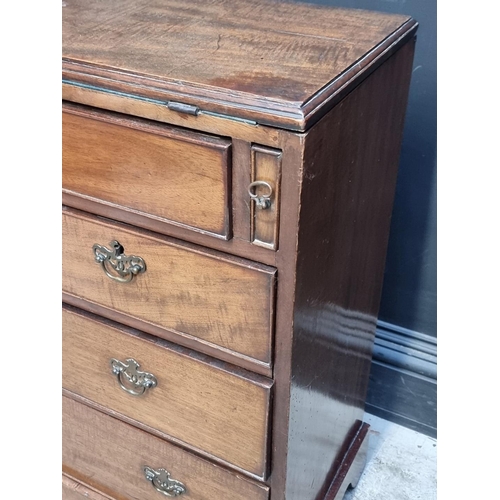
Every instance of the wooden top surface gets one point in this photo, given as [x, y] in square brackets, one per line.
[275, 62]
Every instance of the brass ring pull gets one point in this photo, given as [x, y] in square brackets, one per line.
[130, 378]
[161, 481]
[116, 264]
[262, 201]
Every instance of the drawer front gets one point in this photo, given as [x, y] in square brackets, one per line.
[227, 304]
[176, 176]
[195, 401]
[71, 490]
[110, 456]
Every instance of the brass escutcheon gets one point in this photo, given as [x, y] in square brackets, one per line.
[161, 481]
[116, 264]
[130, 378]
[262, 201]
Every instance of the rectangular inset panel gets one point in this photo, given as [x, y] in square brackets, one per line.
[206, 298]
[156, 171]
[109, 455]
[265, 192]
[71, 490]
[197, 400]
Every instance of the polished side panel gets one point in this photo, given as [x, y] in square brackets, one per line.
[350, 171]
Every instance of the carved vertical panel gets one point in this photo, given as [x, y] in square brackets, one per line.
[265, 191]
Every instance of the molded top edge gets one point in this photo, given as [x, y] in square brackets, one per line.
[282, 64]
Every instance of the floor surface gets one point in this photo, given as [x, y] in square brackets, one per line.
[401, 464]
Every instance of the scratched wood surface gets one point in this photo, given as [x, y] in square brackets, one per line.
[205, 297]
[176, 176]
[72, 490]
[259, 53]
[195, 402]
[109, 455]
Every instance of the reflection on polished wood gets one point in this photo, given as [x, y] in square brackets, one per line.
[258, 323]
[339, 277]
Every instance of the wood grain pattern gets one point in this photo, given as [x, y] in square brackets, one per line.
[240, 178]
[274, 61]
[158, 111]
[340, 78]
[198, 403]
[72, 490]
[206, 297]
[349, 179]
[109, 455]
[160, 172]
[264, 225]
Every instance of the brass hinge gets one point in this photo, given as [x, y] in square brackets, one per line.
[180, 107]
[183, 108]
[195, 111]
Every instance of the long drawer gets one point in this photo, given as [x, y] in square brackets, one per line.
[116, 458]
[184, 395]
[72, 490]
[186, 293]
[153, 170]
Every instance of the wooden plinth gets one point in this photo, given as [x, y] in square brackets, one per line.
[352, 465]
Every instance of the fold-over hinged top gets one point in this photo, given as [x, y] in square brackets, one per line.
[276, 63]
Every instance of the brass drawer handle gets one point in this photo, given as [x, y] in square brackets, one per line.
[116, 264]
[262, 201]
[129, 377]
[161, 481]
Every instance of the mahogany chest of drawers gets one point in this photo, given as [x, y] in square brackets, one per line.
[228, 176]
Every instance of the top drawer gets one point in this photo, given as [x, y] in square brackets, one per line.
[171, 175]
